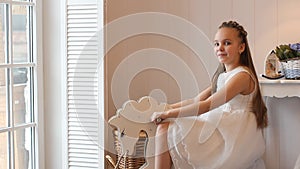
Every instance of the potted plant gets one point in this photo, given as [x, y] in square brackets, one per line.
[289, 57]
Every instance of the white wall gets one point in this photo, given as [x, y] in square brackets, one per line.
[268, 22]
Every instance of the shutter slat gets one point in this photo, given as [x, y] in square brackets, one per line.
[78, 167]
[73, 83]
[81, 79]
[82, 20]
[82, 75]
[75, 150]
[82, 155]
[83, 93]
[93, 107]
[87, 161]
[85, 137]
[86, 122]
[90, 29]
[82, 16]
[82, 34]
[82, 57]
[83, 102]
[81, 7]
[81, 146]
[86, 114]
[83, 11]
[83, 126]
[83, 119]
[82, 98]
[82, 25]
[81, 70]
[83, 142]
[84, 88]
[83, 165]
[82, 133]
[83, 48]
[83, 52]
[82, 43]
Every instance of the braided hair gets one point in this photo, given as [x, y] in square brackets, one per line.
[259, 107]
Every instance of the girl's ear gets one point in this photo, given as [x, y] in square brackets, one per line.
[242, 48]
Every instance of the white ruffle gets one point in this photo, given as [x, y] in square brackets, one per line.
[187, 152]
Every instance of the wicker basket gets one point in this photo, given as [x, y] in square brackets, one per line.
[291, 68]
[130, 162]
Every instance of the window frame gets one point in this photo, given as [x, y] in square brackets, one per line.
[34, 65]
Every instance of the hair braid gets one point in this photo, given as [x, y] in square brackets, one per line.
[233, 24]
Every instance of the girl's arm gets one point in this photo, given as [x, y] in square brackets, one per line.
[204, 94]
[200, 97]
[240, 83]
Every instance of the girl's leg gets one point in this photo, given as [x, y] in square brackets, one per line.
[162, 155]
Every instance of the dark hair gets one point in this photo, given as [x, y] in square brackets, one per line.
[259, 106]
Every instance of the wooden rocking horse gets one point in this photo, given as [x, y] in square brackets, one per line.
[132, 120]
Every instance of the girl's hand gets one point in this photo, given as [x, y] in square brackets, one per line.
[158, 117]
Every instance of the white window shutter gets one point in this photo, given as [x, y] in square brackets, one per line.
[82, 42]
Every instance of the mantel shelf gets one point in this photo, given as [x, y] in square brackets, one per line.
[280, 88]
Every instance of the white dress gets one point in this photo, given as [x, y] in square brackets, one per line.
[224, 138]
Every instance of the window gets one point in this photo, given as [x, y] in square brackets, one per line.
[17, 85]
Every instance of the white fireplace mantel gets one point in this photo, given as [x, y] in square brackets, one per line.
[280, 88]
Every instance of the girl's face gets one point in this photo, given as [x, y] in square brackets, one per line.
[228, 46]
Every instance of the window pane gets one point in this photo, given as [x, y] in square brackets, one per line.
[2, 35]
[3, 150]
[22, 145]
[3, 104]
[20, 33]
[21, 95]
